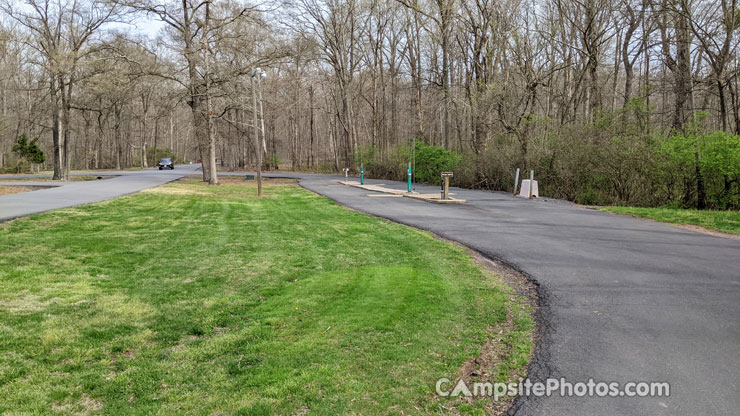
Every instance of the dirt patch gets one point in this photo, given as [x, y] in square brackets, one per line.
[48, 179]
[703, 230]
[481, 369]
[10, 190]
[169, 190]
[238, 180]
[84, 406]
[27, 303]
[241, 181]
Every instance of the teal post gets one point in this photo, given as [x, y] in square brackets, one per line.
[409, 187]
[362, 174]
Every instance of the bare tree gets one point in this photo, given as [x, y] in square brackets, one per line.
[633, 17]
[61, 32]
[194, 25]
[714, 24]
[334, 24]
[673, 24]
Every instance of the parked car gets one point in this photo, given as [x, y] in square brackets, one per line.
[166, 163]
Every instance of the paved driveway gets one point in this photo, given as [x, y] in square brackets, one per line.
[624, 299]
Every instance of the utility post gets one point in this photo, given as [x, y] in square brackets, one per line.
[446, 185]
[258, 72]
[409, 187]
[531, 183]
[412, 164]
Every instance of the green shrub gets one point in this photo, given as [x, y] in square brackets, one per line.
[431, 161]
[718, 162]
[616, 160]
[393, 166]
[28, 153]
[274, 161]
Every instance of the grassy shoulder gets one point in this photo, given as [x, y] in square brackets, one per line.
[76, 178]
[189, 299]
[723, 221]
[10, 190]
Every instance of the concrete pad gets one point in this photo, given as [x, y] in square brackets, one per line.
[374, 188]
[434, 198]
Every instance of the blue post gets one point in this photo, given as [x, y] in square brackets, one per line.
[409, 187]
[362, 174]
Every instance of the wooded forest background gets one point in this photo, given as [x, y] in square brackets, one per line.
[608, 101]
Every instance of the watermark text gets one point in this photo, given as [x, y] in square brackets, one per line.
[551, 387]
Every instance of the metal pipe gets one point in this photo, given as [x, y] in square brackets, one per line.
[409, 185]
[531, 183]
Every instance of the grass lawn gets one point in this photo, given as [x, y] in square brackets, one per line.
[189, 299]
[724, 221]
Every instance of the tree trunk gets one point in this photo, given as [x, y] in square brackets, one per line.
[701, 196]
[311, 160]
[56, 131]
[683, 79]
[722, 103]
[66, 95]
[446, 89]
[117, 133]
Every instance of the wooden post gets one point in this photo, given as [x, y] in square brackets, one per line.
[446, 185]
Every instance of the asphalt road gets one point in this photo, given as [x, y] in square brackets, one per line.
[623, 300]
[68, 194]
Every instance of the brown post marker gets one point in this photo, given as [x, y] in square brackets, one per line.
[446, 185]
